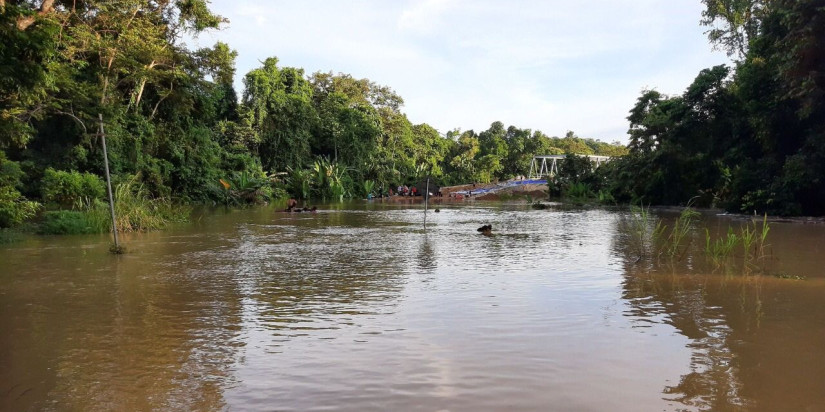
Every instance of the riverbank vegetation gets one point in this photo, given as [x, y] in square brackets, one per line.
[747, 138]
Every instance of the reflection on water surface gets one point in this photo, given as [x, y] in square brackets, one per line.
[362, 308]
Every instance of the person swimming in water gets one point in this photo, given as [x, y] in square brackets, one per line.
[291, 204]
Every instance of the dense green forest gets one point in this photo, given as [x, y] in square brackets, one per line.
[747, 138]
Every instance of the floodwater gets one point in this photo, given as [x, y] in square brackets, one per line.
[360, 308]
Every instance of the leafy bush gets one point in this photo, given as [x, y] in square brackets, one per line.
[71, 189]
[14, 208]
[578, 190]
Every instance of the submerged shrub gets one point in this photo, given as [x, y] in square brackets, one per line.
[69, 222]
[10, 236]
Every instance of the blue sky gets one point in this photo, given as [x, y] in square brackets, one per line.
[546, 65]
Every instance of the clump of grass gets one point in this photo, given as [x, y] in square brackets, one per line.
[673, 247]
[137, 210]
[763, 235]
[646, 229]
[69, 222]
[752, 238]
[748, 237]
[720, 249]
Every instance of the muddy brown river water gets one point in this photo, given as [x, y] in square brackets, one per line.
[360, 308]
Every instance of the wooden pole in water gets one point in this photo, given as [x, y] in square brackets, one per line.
[426, 200]
[427, 195]
[108, 181]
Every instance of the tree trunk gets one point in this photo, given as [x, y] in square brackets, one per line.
[106, 78]
[155, 110]
[139, 93]
[142, 85]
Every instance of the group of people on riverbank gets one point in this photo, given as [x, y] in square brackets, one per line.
[405, 190]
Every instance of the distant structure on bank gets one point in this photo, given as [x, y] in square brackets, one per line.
[545, 165]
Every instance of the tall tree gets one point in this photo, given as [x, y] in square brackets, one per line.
[281, 112]
[733, 24]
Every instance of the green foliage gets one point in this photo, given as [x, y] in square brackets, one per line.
[751, 236]
[605, 197]
[14, 208]
[299, 183]
[137, 210]
[71, 189]
[749, 140]
[578, 191]
[652, 238]
[646, 230]
[330, 180]
[733, 23]
[25, 80]
[173, 120]
[579, 179]
[678, 235]
[279, 108]
[247, 187]
[720, 249]
[369, 187]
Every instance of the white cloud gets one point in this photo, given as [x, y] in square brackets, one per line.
[552, 66]
[424, 17]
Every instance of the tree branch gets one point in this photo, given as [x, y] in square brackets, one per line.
[23, 23]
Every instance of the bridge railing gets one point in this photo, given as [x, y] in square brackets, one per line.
[546, 165]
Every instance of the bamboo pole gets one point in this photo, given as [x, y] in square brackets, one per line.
[108, 182]
[426, 200]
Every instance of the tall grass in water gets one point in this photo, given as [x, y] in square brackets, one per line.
[646, 229]
[681, 228]
[137, 210]
[763, 235]
[751, 237]
[748, 238]
[720, 249]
